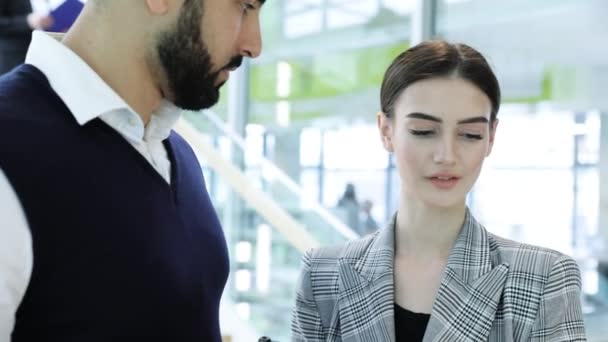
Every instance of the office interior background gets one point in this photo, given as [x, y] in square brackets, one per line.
[297, 125]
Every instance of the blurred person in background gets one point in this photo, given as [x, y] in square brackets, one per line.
[368, 223]
[349, 206]
[17, 20]
[434, 273]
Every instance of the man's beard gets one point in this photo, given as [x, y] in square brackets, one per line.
[186, 61]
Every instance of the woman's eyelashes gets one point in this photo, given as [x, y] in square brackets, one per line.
[471, 136]
[427, 133]
[422, 132]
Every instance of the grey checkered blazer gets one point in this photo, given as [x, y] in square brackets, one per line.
[493, 289]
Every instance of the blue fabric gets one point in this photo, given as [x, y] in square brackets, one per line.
[119, 254]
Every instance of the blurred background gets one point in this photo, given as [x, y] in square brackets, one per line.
[296, 127]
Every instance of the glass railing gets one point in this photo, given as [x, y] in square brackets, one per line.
[265, 237]
[268, 225]
[323, 224]
[267, 222]
[264, 265]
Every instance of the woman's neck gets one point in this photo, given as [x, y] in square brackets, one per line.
[426, 232]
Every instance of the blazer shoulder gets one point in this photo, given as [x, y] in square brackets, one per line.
[328, 256]
[526, 258]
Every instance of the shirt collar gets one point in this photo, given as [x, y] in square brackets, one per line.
[86, 94]
[162, 121]
[79, 87]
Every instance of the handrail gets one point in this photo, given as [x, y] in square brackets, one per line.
[293, 231]
[338, 225]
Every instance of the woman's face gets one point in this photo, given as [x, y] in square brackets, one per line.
[440, 134]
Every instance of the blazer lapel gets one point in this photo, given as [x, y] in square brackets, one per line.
[365, 303]
[470, 290]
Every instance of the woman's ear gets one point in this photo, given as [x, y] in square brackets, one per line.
[385, 128]
[492, 135]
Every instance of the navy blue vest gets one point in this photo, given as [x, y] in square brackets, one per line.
[119, 254]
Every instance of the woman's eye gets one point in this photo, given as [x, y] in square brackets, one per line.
[422, 133]
[472, 136]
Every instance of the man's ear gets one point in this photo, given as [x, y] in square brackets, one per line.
[385, 128]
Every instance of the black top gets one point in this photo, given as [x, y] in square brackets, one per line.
[409, 326]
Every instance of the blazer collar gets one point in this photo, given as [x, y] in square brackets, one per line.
[471, 288]
[470, 257]
[377, 258]
[468, 296]
[366, 291]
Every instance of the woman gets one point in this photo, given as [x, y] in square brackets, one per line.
[434, 273]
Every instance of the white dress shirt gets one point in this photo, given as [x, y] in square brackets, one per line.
[88, 97]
